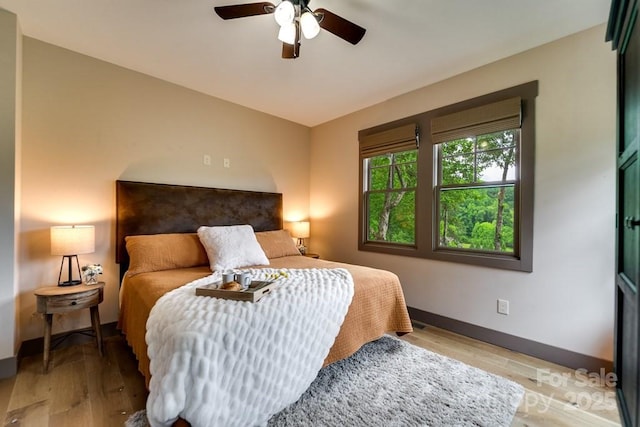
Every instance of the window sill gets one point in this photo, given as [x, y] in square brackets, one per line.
[504, 262]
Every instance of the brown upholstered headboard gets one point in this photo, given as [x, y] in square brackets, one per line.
[144, 208]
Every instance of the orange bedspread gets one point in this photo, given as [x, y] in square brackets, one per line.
[378, 304]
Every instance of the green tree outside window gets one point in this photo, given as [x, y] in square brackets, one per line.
[390, 197]
[475, 190]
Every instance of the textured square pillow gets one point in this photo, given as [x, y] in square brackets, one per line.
[231, 247]
[154, 252]
[277, 243]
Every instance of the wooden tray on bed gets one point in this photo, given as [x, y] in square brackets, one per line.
[256, 290]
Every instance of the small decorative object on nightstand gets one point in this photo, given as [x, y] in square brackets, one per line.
[316, 256]
[90, 273]
[56, 299]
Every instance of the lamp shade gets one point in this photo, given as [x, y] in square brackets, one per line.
[309, 24]
[287, 33]
[285, 12]
[300, 229]
[72, 239]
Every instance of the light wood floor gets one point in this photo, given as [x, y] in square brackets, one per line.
[83, 389]
[554, 395]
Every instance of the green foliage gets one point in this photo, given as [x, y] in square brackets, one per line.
[391, 197]
[482, 236]
[401, 223]
[464, 209]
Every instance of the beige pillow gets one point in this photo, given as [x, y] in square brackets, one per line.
[156, 252]
[276, 244]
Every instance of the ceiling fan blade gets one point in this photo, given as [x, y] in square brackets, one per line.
[242, 10]
[339, 26]
[292, 51]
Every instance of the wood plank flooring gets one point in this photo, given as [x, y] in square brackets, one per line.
[84, 389]
[81, 388]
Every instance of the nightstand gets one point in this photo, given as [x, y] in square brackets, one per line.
[316, 256]
[64, 299]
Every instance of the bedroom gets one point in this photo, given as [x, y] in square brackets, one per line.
[86, 123]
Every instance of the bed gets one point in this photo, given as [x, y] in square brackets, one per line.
[158, 251]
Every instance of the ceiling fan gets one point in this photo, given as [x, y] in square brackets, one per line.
[295, 17]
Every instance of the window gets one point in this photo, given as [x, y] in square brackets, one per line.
[465, 195]
[475, 192]
[391, 197]
[389, 169]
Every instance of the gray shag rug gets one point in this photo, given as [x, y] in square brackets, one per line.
[390, 382]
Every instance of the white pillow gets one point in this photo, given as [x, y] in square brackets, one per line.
[230, 247]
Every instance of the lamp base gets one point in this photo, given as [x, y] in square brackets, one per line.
[301, 247]
[70, 280]
[70, 283]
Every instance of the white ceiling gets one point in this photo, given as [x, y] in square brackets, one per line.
[408, 44]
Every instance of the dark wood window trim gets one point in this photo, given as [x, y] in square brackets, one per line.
[426, 234]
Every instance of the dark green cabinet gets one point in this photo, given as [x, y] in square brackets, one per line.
[624, 34]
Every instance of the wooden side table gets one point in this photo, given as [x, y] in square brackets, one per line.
[316, 256]
[64, 299]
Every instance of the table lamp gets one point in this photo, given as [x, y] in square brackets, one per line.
[70, 241]
[300, 230]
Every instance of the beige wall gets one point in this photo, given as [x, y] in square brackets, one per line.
[10, 94]
[568, 300]
[88, 123]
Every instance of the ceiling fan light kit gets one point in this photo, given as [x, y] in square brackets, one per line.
[295, 17]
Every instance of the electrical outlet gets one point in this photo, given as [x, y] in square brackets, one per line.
[227, 163]
[503, 306]
[206, 159]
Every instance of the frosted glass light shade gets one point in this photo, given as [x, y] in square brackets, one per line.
[309, 24]
[287, 33]
[72, 239]
[300, 229]
[285, 13]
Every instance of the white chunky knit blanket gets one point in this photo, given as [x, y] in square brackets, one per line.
[217, 362]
